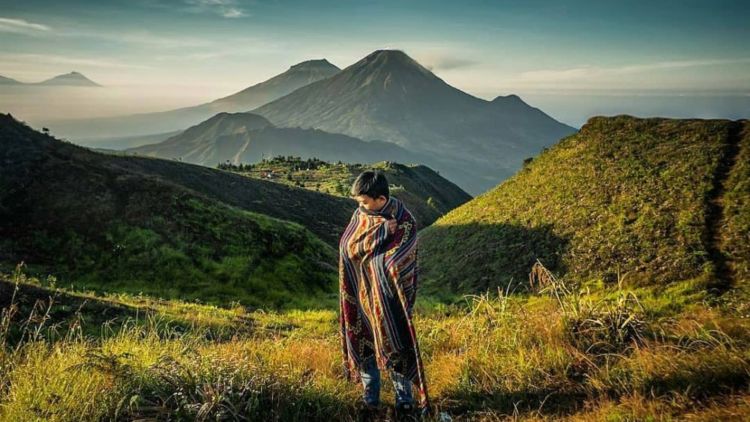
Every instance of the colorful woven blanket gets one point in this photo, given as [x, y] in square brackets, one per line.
[378, 286]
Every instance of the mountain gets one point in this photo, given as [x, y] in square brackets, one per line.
[69, 79]
[248, 138]
[117, 143]
[424, 192]
[636, 201]
[390, 97]
[295, 77]
[9, 81]
[166, 228]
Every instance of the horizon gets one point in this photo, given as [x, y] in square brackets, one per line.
[572, 61]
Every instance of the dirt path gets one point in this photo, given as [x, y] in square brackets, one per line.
[715, 219]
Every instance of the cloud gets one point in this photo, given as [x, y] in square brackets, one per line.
[75, 61]
[225, 50]
[20, 26]
[143, 38]
[448, 63]
[591, 72]
[441, 57]
[225, 8]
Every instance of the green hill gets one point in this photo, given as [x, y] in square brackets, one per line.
[639, 201]
[163, 228]
[426, 194]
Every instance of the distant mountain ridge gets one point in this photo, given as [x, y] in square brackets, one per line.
[386, 97]
[68, 79]
[9, 81]
[254, 96]
[248, 138]
[390, 97]
[298, 75]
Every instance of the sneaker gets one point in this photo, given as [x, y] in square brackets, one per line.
[406, 411]
[371, 412]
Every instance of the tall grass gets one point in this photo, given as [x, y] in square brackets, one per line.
[561, 352]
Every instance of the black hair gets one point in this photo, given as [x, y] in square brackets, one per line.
[371, 183]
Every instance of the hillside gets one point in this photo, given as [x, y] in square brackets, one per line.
[116, 143]
[640, 201]
[89, 130]
[390, 97]
[735, 206]
[165, 228]
[426, 194]
[248, 138]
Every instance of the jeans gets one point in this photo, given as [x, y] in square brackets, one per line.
[371, 382]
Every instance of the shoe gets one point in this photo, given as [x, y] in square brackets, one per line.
[371, 412]
[406, 412]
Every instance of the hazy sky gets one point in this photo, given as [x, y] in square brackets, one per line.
[203, 49]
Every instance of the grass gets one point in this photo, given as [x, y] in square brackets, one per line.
[129, 225]
[737, 210]
[192, 249]
[562, 351]
[624, 198]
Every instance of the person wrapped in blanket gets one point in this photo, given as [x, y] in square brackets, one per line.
[378, 285]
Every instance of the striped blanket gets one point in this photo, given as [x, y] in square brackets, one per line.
[378, 286]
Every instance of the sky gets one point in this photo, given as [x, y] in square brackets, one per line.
[570, 58]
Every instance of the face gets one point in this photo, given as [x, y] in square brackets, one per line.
[369, 203]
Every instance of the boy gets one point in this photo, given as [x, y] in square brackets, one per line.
[378, 285]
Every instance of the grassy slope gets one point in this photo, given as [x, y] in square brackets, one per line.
[624, 197]
[737, 211]
[547, 356]
[325, 215]
[99, 315]
[425, 192]
[100, 226]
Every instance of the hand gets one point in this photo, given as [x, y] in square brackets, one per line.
[392, 225]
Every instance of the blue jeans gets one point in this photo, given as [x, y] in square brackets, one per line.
[371, 382]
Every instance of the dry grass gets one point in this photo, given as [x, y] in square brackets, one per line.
[562, 353]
